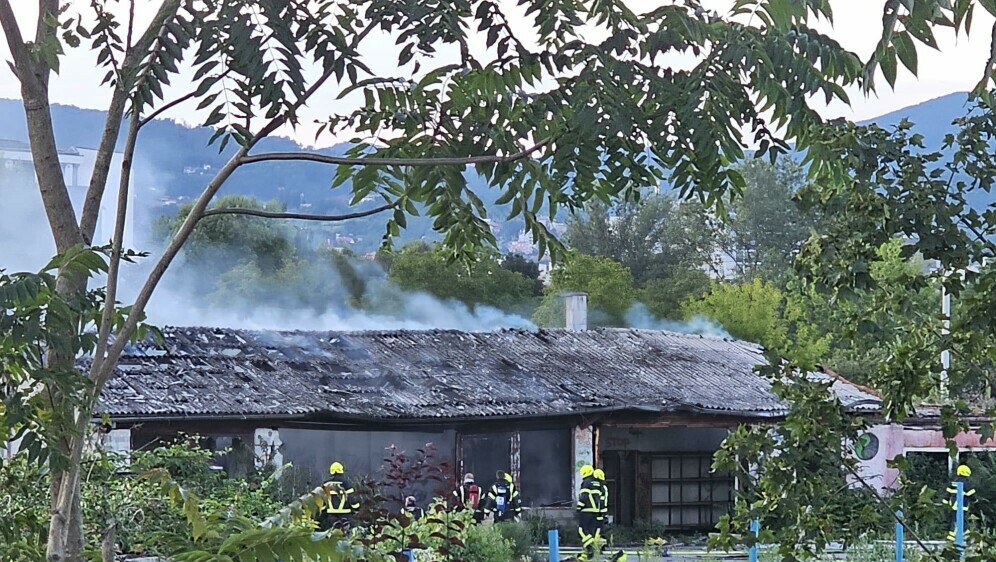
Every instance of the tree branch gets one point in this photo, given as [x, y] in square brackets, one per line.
[15, 42]
[117, 246]
[168, 106]
[131, 24]
[414, 162]
[112, 125]
[186, 229]
[300, 216]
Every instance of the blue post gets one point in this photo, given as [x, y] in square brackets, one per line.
[960, 517]
[553, 539]
[899, 536]
[755, 528]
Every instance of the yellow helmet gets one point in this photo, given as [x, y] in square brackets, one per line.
[336, 468]
[599, 474]
[508, 477]
[964, 471]
[587, 470]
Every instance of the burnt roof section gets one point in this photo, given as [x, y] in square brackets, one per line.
[418, 375]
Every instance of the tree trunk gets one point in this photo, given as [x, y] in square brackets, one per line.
[48, 171]
[108, 543]
[65, 532]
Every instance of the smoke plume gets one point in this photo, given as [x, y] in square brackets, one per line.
[640, 317]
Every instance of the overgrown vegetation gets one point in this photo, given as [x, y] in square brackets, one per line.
[174, 501]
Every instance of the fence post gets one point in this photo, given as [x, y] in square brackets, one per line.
[899, 536]
[755, 528]
[553, 540]
[960, 518]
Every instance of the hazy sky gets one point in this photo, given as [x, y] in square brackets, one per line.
[956, 67]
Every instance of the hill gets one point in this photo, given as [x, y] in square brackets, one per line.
[931, 118]
[174, 162]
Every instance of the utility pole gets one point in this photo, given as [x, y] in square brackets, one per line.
[945, 331]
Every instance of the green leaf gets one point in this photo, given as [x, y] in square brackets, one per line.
[906, 50]
[887, 62]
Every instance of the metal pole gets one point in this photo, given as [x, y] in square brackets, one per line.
[945, 330]
[960, 518]
[899, 536]
[755, 528]
[553, 540]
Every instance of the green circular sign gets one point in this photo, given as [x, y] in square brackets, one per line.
[866, 446]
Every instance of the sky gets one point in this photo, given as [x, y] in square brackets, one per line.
[857, 25]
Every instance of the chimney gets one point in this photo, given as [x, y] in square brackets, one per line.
[576, 305]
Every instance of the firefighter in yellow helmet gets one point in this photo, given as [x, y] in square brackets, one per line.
[603, 516]
[503, 501]
[342, 503]
[962, 474]
[589, 510]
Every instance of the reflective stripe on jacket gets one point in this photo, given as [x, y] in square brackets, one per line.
[591, 496]
[341, 500]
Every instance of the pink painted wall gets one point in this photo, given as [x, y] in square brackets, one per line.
[894, 439]
[890, 444]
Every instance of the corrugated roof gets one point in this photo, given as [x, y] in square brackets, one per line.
[439, 374]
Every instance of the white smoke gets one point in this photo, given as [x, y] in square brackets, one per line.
[179, 300]
[26, 245]
[417, 311]
[640, 317]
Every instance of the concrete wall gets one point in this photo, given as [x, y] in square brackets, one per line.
[360, 451]
[661, 440]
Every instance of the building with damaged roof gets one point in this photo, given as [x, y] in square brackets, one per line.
[650, 407]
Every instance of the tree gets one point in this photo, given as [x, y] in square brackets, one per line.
[864, 326]
[656, 238]
[609, 286]
[765, 229]
[222, 242]
[580, 103]
[664, 298]
[760, 312]
[525, 267]
[420, 267]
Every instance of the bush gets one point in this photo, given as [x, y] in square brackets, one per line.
[519, 535]
[23, 510]
[486, 543]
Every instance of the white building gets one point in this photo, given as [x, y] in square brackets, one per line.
[24, 215]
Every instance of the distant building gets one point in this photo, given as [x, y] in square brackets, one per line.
[77, 167]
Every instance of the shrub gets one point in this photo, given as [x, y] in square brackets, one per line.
[519, 535]
[486, 543]
[23, 510]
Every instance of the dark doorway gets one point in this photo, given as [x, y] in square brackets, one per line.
[485, 454]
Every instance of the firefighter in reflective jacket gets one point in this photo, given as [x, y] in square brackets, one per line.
[591, 502]
[342, 503]
[603, 516]
[468, 496]
[503, 499]
[962, 475]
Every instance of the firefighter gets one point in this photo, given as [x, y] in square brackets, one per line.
[963, 475]
[591, 500]
[503, 500]
[342, 503]
[412, 509]
[603, 516]
[468, 496]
